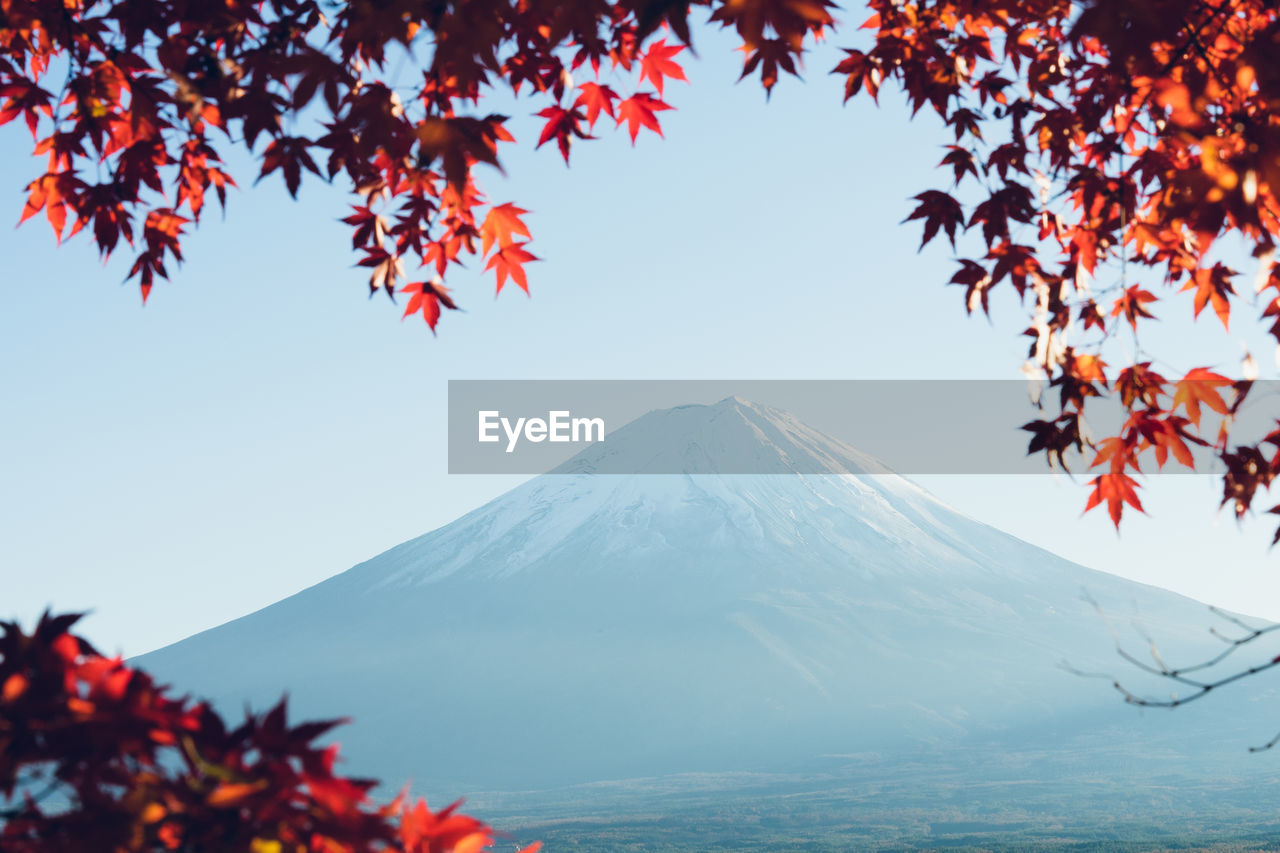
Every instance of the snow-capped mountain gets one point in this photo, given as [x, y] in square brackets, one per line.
[590, 625]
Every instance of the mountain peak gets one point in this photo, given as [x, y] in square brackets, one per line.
[733, 436]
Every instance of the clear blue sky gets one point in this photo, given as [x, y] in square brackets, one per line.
[261, 425]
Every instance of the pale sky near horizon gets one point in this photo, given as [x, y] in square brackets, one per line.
[261, 425]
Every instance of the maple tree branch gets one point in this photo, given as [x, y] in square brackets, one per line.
[1268, 745]
[1178, 675]
[1202, 688]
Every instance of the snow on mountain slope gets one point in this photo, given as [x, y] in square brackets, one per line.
[591, 625]
[712, 505]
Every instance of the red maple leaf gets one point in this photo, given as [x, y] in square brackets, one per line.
[938, 210]
[769, 55]
[596, 99]
[22, 97]
[960, 159]
[510, 260]
[1132, 305]
[656, 64]
[1117, 490]
[289, 154]
[639, 110]
[427, 297]
[562, 125]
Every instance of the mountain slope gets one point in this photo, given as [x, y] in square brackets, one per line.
[591, 625]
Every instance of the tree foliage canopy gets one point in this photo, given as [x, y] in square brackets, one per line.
[1105, 157]
[95, 756]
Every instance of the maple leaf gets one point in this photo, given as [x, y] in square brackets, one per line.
[101, 204]
[966, 121]
[387, 268]
[596, 99]
[1090, 316]
[1148, 428]
[656, 64]
[163, 231]
[53, 193]
[1011, 202]
[289, 154]
[1010, 156]
[1213, 286]
[25, 98]
[1247, 470]
[992, 86]
[510, 260]
[501, 222]
[370, 228]
[1139, 383]
[1015, 261]
[1116, 490]
[639, 110]
[939, 211]
[1088, 368]
[1132, 304]
[562, 126]
[458, 141]
[1173, 437]
[427, 297]
[650, 14]
[769, 55]
[1200, 385]
[961, 161]
[1119, 452]
[1054, 438]
[859, 70]
[977, 282]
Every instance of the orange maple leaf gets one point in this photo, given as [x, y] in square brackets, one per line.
[1200, 385]
[501, 222]
[53, 193]
[1117, 490]
[1213, 286]
[510, 261]
[1087, 368]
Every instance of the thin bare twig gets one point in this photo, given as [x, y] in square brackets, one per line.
[1198, 687]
